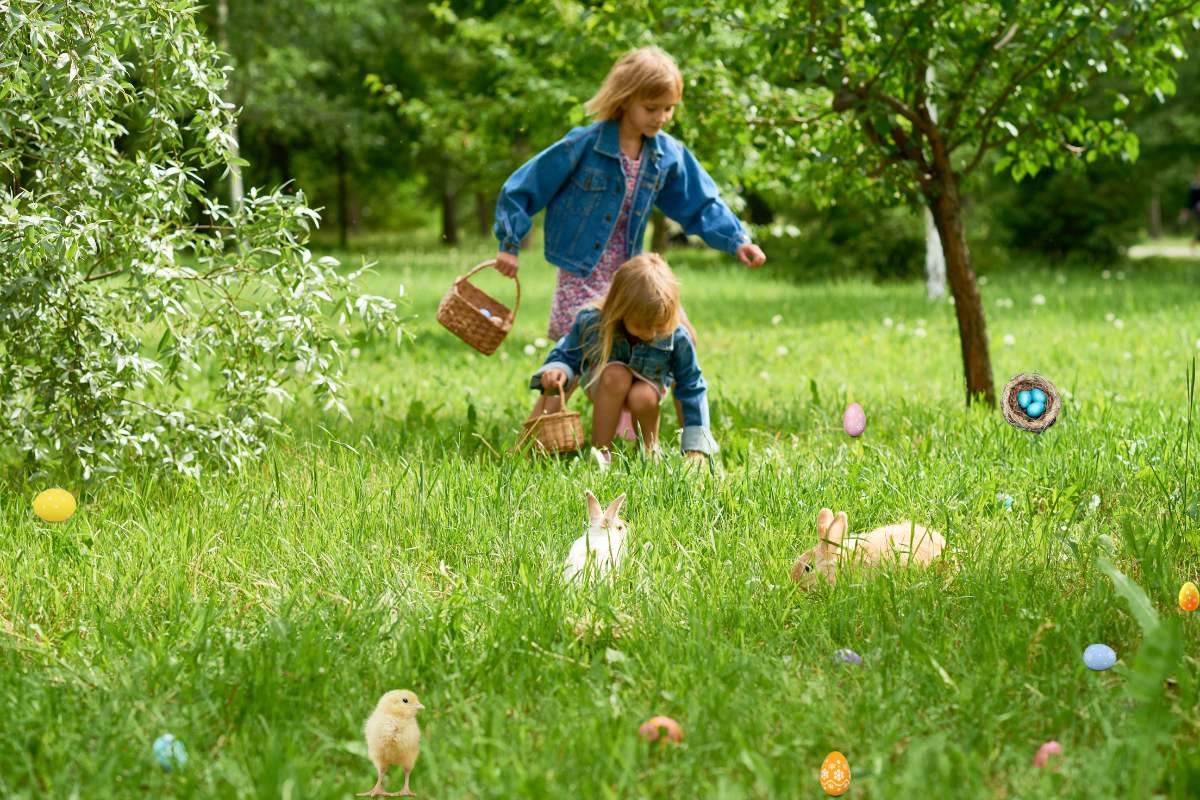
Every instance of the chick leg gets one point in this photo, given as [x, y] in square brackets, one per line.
[377, 790]
[406, 792]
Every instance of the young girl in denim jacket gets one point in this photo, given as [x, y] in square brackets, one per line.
[627, 350]
[599, 183]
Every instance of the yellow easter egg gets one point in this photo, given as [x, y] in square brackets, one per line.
[835, 774]
[54, 505]
[1189, 597]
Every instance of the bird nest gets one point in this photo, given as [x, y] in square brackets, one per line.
[1016, 416]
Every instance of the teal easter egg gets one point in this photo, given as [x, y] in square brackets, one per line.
[1037, 396]
[1023, 398]
[1035, 409]
[1099, 657]
[169, 752]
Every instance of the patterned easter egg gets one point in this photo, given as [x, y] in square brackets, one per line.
[854, 421]
[846, 656]
[1099, 657]
[664, 727]
[1189, 597]
[54, 505]
[1044, 752]
[835, 774]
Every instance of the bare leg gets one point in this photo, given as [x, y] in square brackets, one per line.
[643, 402]
[406, 792]
[377, 790]
[611, 390]
[678, 407]
[548, 402]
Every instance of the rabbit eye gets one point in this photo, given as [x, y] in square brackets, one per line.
[807, 568]
[406, 699]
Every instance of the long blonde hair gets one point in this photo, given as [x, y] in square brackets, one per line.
[643, 291]
[647, 72]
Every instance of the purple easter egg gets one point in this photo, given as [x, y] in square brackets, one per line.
[854, 421]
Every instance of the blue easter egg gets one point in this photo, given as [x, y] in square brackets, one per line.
[1023, 398]
[1035, 409]
[1099, 657]
[846, 656]
[485, 312]
[1037, 395]
[169, 752]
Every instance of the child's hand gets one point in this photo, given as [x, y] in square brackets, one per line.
[552, 378]
[751, 255]
[506, 264]
[695, 455]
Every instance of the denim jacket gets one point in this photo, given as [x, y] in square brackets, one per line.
[671, 359]
[580, 183]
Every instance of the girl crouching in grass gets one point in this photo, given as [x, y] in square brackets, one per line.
[627, 350]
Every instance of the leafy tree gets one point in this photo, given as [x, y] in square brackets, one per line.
[1009, 77]
[121, 317]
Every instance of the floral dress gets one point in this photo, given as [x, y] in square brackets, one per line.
[572, 292]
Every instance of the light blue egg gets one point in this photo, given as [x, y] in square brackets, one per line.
[1099, 657]
[1035, 409]
[169, 752]
[1037, 395]
[485, 312]
[1023, 398]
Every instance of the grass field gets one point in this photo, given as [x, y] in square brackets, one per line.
[259, 617]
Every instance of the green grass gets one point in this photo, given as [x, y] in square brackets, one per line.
[258, 617]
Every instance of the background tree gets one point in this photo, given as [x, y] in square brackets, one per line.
[120, 315]
[1009, 79]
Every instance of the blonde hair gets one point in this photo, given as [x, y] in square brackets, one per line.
[645, 73]
[643, 291]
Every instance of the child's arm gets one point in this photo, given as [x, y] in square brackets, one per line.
[528, 190]
[692, 392]
[566, 356]
[690, 197]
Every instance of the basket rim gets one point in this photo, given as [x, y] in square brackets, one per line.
[491, 262]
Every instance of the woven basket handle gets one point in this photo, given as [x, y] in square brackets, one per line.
[491, 262]
[562, 399]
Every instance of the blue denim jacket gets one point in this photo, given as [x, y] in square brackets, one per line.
[671, 359]
[580, 183]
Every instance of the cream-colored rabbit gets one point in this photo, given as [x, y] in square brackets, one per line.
[904, 543]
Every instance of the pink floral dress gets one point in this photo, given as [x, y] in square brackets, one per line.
[572, 292]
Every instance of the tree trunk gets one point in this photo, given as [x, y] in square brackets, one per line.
[343, 203]
[943, 200]
[483, 209]
[1155, 217]
[658, 242]
[449, 217]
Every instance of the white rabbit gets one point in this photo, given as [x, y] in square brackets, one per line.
[603, 546]
[904, 543]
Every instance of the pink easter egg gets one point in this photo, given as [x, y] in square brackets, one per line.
[1044, 752]
[854, 421]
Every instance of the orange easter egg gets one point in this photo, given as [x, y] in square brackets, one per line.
[835, 774]
[665, 727]
[1189, 597]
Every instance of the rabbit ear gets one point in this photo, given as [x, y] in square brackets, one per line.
[837, 528]
[824, 519]
[614, 508]
[594, 512]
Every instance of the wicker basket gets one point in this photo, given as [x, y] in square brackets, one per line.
[1016, 416]
[560, 432]
[462, 313]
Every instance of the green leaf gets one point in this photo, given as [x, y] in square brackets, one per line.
[1139, 604]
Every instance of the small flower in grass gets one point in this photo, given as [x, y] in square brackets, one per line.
[1005, 500]
[503, 356]
[1094, 503]
[1004, 302]
[355, 352]
[530, 349]
[887, 323]
[764, 375]
[900, 327]
[1109, 317]
[1009, 339]
[983, 280]
[1198, 344]
[1128, 356]
[781, 351]
[919, 333]
[1106, 274]
[778, 318]
[1118, 323]
[539, 343]
[1039, 300]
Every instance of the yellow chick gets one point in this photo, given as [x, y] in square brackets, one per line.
[393, 738]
